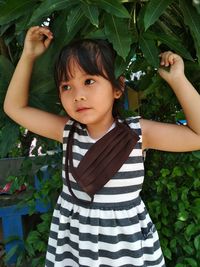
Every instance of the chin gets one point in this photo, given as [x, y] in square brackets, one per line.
[83, 120]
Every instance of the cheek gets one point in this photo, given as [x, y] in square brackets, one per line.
[66, 102]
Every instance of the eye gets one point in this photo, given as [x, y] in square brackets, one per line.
[89, 82]
[65, 87]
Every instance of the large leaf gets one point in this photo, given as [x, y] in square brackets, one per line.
[96, 34]
[22, 22]
[74, 19]
[174, 43]
[153, 11]
[14, 9]
[91, 12]
[192, 19]
[6, 71]
[149, 50]
[196, 4]
[121, 65]
[43, 94]
[49, 6]
[114, 7]
[116, 30]
[60, 35]
[9, 137]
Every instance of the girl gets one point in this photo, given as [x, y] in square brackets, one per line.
[100, 219]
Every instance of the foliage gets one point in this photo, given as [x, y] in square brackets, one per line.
[139, 30]
[47, 171]
[171, 192]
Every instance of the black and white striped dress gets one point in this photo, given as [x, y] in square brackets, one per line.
[115, 230]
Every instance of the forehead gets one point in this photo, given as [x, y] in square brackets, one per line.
[73, 70]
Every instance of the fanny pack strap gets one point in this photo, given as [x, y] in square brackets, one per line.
[102, 161]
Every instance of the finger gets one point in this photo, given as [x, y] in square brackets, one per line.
[45, 32]
[47, 42]
[166, 58]
[33, 30]
[171, 58]
[40, 33]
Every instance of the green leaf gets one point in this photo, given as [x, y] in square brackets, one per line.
[196, 154]
[116, 30]
[167, 253]
[43, 94]
[114, 7]
[173, 243]
[166, 231]
[61, 37]
[154, 85]
[97, 34]
[191, 18]
[9, 137]
[74, 19]
[183, 215]
[48, 6]
[22, 22]
[197, 242]
[121, 65]
[12, 252]
[191, 230]
[6, 71]
[165, 172]
[91, 12]
[153, 11]
[192, 262]
[14, 9]
[149, 50]
[33, 237]
[177, 171]
[188, 249]
[173, 42]
[174, 195]
[196, 4]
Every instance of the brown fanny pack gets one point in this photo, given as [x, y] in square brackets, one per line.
[102, 161]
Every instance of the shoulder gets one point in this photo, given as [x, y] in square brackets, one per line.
[67, 126]
[79, 130]
[134, 123]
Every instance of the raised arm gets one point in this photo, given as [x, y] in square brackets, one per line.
[16, 105]
[170, 137]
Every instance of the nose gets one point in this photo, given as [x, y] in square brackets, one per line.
[79, 97]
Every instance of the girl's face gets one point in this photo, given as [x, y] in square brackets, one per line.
[88, 98]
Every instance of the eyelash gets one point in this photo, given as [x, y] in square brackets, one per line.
[66, 87]
[89, 81]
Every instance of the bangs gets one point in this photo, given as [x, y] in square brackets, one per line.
[89, 55]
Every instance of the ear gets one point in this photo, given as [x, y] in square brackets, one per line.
[118, 92]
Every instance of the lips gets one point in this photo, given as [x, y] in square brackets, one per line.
[81, 109]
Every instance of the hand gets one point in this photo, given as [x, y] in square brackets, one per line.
[37, 41]
[175, 64]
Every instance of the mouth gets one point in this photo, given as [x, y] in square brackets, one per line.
[82, 109]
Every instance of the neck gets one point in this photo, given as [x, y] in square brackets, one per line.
[96, 131]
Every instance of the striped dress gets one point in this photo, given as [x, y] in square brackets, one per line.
[116, 229]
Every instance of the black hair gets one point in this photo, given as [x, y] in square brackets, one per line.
[95, 57]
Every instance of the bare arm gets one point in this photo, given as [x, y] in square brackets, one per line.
[16, 101]
[169, 137]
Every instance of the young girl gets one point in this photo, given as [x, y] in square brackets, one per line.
[100, 219]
